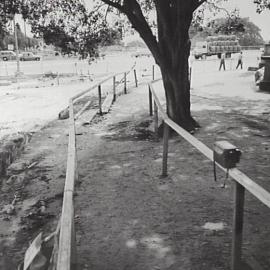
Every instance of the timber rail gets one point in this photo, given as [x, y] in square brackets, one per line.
[66, 258]
[241, 181]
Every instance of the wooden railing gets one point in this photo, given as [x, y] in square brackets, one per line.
[66, 259]
[241, 181]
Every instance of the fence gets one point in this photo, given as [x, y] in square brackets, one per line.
[66, 259]
[242, 182]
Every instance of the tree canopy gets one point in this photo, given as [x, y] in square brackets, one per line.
[65, 24]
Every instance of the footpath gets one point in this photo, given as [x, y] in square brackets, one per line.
[126, 215]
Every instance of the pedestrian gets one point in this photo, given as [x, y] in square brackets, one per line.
[222, 62]
[240, 61]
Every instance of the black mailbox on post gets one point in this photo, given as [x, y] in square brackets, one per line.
[226, 154]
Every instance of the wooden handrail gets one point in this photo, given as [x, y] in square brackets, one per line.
[242, 182]
[67, 216]
[66, 251]
[260, 193]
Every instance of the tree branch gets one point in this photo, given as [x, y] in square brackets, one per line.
[113, 4]
[197, 4]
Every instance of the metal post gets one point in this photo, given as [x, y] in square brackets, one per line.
[153, 72]
[238, 216]
[114, 87]
[99, 100]
[156, 119]
[150, 102]
[166, 130]
[135, 77]
[125, 83]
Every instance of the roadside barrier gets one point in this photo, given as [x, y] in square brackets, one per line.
[66, 259]
[241, 181]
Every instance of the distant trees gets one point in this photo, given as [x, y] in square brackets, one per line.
[7, 37]
[247, 32]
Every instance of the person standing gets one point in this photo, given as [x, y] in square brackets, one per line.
[240, 61]
[222, 62]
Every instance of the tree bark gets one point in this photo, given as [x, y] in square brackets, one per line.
[174, 42]
[177, 90]
[171, 50]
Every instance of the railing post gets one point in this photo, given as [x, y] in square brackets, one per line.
[73, 246]
[153, 72]
[114, 88]
[238, 217]
[150, 102]
[166, 131]
[156, 119]
[135, 77]
[125, 83]
[99, 100]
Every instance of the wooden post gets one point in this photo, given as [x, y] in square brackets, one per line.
[156, 119]
[99, 100]
[150, 102]
[73, 246]
[114, 88]
[238, 217]
[135, 77]
[125, 83]
[166, 131]
[153, 72]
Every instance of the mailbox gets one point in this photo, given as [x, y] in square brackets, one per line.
[226, 154]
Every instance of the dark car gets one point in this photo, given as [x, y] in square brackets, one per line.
[29, 56]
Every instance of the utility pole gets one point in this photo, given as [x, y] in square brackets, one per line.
[25, 37]
[18, 72]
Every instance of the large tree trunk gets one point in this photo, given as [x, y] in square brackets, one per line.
[177, 89]
[171, 50]
[175, 47]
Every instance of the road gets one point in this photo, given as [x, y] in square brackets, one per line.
[27, 106]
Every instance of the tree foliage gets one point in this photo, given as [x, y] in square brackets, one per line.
[262, 5]
[65, 24]
[247, 32]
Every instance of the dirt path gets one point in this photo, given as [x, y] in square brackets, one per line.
[127, 217]
[130, 218]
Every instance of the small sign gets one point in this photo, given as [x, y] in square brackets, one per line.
[10, 47]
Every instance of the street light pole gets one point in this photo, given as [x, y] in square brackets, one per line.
[18, 72]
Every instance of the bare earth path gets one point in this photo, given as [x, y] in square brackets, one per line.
[127, 217]
[130, 218]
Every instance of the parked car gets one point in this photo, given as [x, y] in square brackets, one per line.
[141, 53]
[29, 56]
[7, 55]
